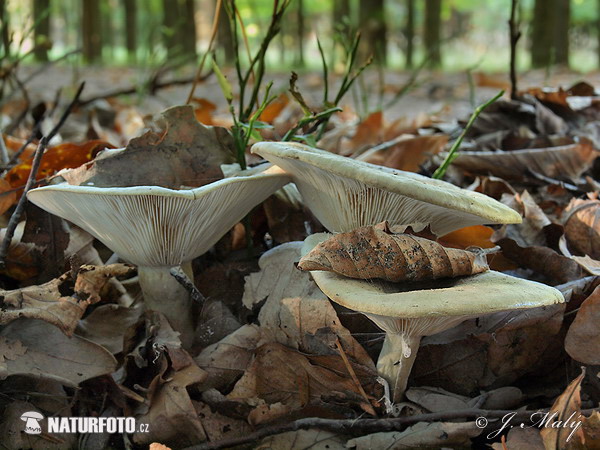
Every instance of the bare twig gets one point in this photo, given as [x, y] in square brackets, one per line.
[184, 280]
[35, 165]
[515, 35]
[365, 426]
[213, 34]
[354, 377]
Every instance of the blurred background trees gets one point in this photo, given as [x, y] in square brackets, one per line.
[450, 34]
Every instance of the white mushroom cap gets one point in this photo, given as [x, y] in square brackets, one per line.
[155, 226]
[408, 311]
[463, 297]
[345, 194]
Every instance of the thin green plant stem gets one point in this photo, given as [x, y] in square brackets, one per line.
[452, 154]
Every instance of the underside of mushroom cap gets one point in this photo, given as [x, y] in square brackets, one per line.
[155, 226]
[470, 296]
[345, 194]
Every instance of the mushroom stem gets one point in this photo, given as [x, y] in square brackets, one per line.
[396, 360]
[163, 293]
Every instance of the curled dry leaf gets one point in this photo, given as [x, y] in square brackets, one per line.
[565, 415]
[581, 220]
[583, 338]
[52, 355]
[565, 161]
[373, 252]
[47, 302]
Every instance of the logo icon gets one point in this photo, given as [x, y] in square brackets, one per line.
[32, 422]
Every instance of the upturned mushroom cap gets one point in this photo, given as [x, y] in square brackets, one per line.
[463, 297]
[345, 194]
[155, 226]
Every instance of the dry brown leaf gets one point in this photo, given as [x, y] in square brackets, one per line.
[372, 252]
[582, 226]
[43, 302]
[369, 131]
[106, 325]
[589, 438]
[437, 399]
[420, 435]
[498, 348]
[172, 418]
[47, 302]
[313, 439]
[296, 311]
[273, 109]
[407, 154]
[50, 235]
[565, 161]
[204, 110]
[184, 153]
[282, 375]
[92, 279]
[157, 446]
[226, 360]
[583, 338]
[521, 439]
[218, 426]
[52, 355]
[567, 409]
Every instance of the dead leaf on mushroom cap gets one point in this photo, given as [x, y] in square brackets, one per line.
[183, 153]
[375, 252]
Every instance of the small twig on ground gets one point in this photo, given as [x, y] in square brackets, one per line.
[35, 165]
[515, 35]
[154, 86]
[357, 427]
[354, 377]
[452, 154]
[184, 280]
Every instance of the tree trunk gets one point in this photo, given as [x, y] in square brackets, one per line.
[41, 29]
[108, 31]
[224, 37]
[5, 28]
[91, 31]
[433, 23]
[542, 33]
[131, 29]
[409, 32]
[373, 28]
[300, 33]
[188, 28]
[561, 33]
[170, 34]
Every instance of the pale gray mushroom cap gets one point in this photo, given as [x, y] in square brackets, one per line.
[155, 226]
[459, 298]
[345, 194]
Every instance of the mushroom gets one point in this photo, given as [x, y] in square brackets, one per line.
[345, 194]
[32, 422]
[409, 311]
[158, 228]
